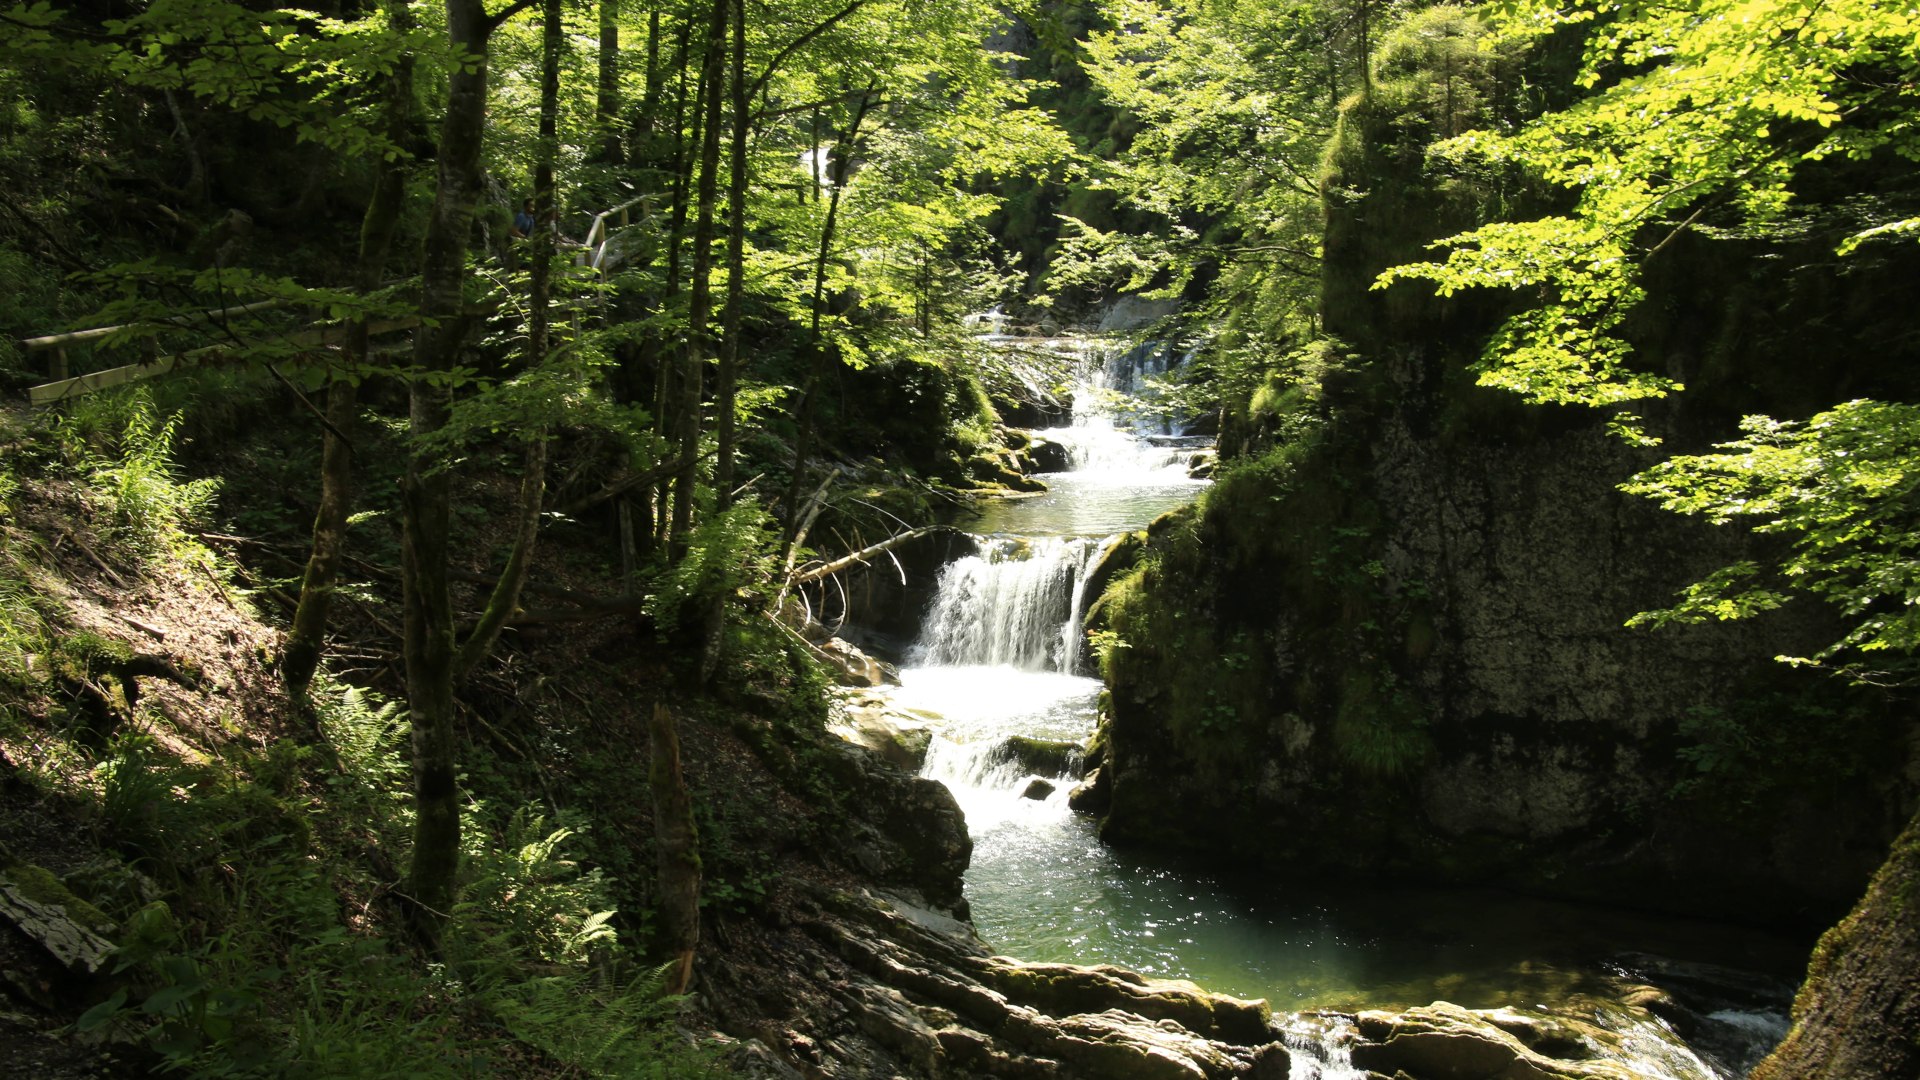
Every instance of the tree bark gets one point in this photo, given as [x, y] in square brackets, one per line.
[676, 847]
[700, 279]
[1858, 1013]
[305, 641]
[425, 506]
[607, 93]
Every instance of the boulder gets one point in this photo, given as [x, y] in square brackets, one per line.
[1091, 796]
[852, 667]
[1048, 456]
[1038, 790]
[1041, 757]
[1443, 1041]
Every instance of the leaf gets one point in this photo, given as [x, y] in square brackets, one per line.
[100, 1014]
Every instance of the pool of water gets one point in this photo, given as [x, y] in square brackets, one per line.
[1091, 504]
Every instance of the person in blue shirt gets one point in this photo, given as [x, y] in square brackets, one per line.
[523, 221]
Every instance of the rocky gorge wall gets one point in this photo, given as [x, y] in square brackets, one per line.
[1390, 641]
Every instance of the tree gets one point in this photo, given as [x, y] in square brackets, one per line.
[430, 647]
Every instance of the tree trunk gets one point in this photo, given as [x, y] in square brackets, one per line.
[700, 279]
[429, 633]
[607, 96]
[676, 847]
[505, 599]
[306, 639]
[727, 377]
[1858, 1014]
[803, 436]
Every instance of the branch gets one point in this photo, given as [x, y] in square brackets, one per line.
[864, 554]
[780, 57]
[494, 21]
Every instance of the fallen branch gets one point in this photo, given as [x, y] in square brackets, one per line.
[865, 553]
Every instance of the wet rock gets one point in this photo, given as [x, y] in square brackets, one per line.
[1120, 556]
[1443, 1041]
[1041, 757]
[1048, 456]
[1038, 790]
[1072, 989]
[1091, 796]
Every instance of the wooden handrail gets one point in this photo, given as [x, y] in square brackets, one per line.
[596, 241]
[54, 341]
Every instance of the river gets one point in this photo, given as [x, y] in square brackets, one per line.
[999, 656]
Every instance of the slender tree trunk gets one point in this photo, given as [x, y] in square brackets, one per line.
[727, 376]
[665, 353]
[607, 96]
[307, 637]
[505, 599]
[676, 848]
[700, 279]
[803, 437]
[425, 509]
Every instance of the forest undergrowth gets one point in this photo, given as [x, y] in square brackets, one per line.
[236, 851]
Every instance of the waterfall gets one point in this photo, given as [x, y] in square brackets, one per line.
[1014, 604]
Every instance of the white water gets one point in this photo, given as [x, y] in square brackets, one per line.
[1015, 604]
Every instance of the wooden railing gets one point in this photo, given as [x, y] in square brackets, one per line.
[595, 255]
[62, 384]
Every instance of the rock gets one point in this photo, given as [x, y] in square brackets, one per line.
[851, 667]
[1443, 1041]
[1048, 456]
[1038, 790]
[1201, 465]
[1091, 796]
[1070, 989]
[1041, 757]
[69, 928]
[901, 738]
[1119, 556]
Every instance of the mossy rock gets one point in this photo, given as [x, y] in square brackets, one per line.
[1042, 757]
[43, 886]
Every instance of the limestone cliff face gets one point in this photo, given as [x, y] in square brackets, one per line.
[1391, 641]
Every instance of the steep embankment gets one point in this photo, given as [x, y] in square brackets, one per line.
[1390, 642]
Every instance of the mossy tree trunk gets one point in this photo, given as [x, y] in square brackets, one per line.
[1858, 1014]
[676, 847]
[699, 346]
[425, 491]
[305, 640]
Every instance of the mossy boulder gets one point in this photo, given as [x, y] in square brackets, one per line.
[1042, 757]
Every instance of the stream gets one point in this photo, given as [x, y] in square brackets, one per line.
[998, 656]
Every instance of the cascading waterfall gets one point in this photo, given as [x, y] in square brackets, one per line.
[1016, 603]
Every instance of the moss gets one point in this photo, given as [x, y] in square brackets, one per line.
[1042, 757]
[42, 886]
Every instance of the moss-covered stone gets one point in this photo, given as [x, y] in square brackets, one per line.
[1859, 1011]
[1042, 757]
[43, 886]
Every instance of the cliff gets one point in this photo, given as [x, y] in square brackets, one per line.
[1390, 642]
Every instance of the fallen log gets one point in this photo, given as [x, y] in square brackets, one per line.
[865, 553]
